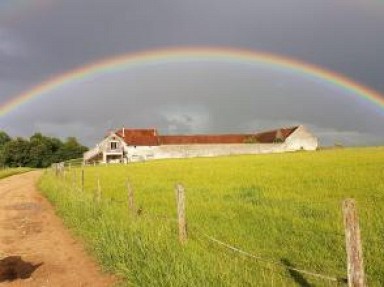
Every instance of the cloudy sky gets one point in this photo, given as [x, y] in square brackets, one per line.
[41, 39]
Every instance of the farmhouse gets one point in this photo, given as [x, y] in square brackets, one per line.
[130, 145]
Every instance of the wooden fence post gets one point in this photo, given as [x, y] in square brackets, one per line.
[353, 244]
[74, 179]
[62, 172]
[82, 179]
[98, 195]
[131, 199]
[181, 213]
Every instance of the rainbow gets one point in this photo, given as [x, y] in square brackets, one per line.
[193, 54]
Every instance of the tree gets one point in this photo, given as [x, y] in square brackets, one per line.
[39, 151]
[71, 149]
[43, 150]
[4, 138]
[16, 153]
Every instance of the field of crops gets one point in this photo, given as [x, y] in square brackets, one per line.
[284, 209]
[12, 171]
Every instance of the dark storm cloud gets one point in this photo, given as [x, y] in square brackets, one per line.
[345, 37]
[340, 36]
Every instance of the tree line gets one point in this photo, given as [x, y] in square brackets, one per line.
[37, 151]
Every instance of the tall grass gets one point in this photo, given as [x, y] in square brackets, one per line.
[285, 208]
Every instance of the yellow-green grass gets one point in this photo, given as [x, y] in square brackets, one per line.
[12, 171]
[285, 208]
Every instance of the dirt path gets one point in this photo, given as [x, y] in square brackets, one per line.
[35, 244]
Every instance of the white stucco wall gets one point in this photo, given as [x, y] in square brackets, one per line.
[200, 150]
[139, 153]
[212, 150]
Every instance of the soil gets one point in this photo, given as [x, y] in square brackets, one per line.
[35, 247]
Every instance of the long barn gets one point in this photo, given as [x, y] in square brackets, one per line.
[130, 145]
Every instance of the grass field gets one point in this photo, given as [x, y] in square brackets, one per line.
[283, 208]
[12, 171]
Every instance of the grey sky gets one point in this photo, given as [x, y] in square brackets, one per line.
[40, 41]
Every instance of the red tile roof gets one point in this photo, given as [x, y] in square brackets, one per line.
[150, 137]
[139, 137]
[201, 139]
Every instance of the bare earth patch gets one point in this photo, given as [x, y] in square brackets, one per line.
[35, 247]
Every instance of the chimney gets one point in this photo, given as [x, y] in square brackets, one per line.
[123, 132]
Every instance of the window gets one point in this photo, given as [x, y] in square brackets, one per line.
[113, 145]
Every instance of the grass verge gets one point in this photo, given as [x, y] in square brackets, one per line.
[12, 171]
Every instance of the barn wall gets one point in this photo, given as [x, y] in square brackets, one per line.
[301, 139]
[98, 153]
